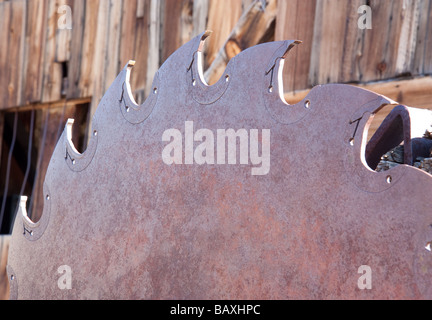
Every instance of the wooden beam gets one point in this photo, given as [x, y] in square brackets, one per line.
[56, 104]
[410, 92]
[222, 18]
[249, 31]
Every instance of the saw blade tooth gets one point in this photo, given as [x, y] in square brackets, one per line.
[131, 110]
[75, 160]
[22, 209]
[69, 126]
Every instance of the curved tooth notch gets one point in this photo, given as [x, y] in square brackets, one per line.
[274, 72]
[69, 126]
[201, 91]
[132, 112]
[22, 209]
[33, 231]
[75, 160]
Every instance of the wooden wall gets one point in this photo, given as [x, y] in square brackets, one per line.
[40, 63]
[334, 49]
[105, 35]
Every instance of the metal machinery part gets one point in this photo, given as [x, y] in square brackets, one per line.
[130, 226]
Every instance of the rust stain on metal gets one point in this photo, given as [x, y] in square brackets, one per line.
[299, 226]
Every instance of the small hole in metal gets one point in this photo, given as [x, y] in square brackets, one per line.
[429, 246]
[12, 277]
[155, 90]
[307, 104]
[351, 142]
[73, 161]
[270, 89]
[389, 179]
[227, 78]
[47, 197]
[194, 82]
[127, 109]
[95, 133]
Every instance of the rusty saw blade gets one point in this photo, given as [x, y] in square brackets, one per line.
[226, 192]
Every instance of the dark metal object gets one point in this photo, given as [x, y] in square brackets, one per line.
[403, 124]
[130, 226]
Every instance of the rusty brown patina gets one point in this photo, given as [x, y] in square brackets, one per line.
[130, 226]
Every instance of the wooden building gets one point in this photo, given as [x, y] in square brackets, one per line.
[58, 57]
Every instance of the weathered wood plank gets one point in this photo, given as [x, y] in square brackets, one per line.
[200, 16]
[112, 58]
[52, 71]
[34, 51]
[423, 55]
[154, 53]
[223, 15]
[411, 92]
[334, 49]
[81, 80]
[74, 53]
[140, 11]
[129, 21]
[171, 28]
[427, 65]
[421, 38]
[140, 51]
[13, 68]
[408, 37]
[63, 34]
[352, 45]
[251, 29]
[186, 22]
[293, 21]
[328, 40]
[99, 56]
[5, 14]
[177, 26]
[4, 282]
[379, 52]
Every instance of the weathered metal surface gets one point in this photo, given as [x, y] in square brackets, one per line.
[130, 226]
